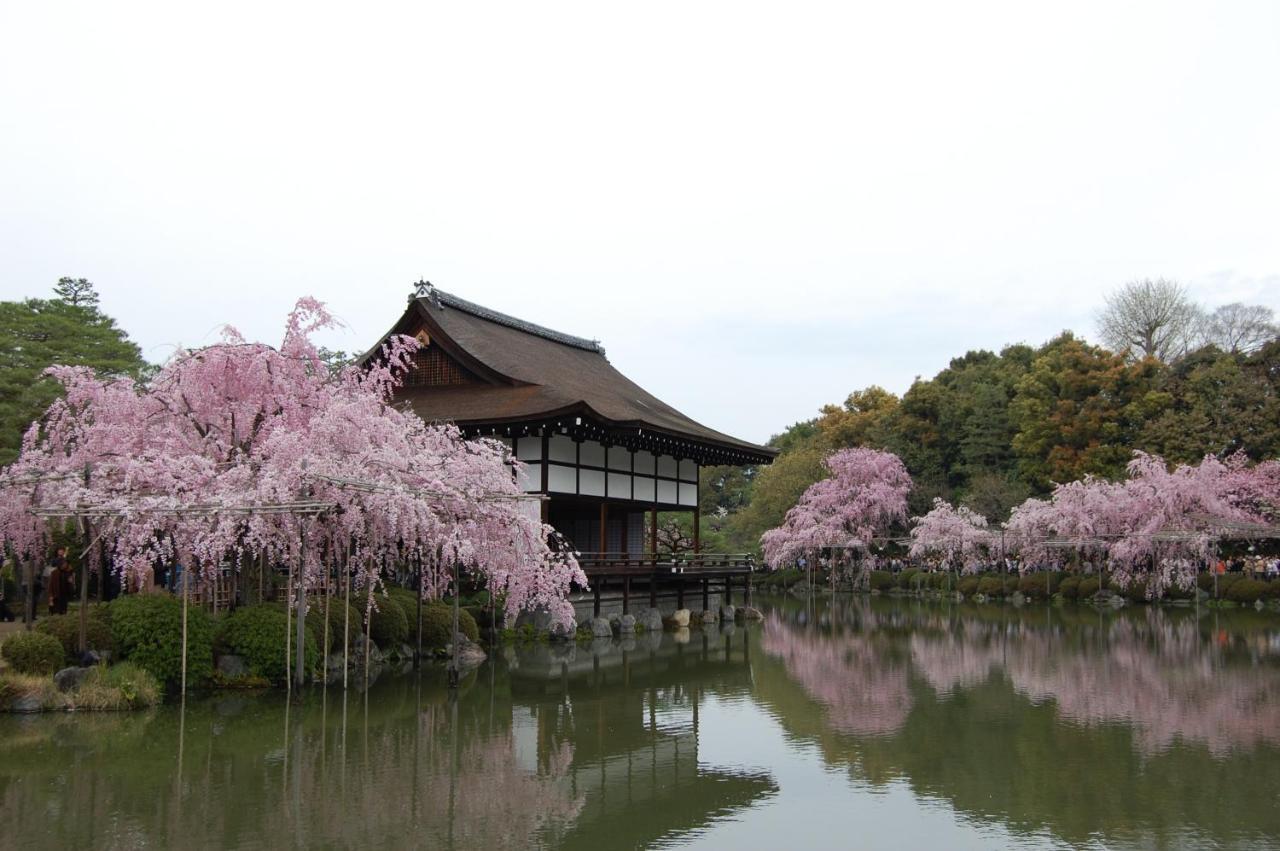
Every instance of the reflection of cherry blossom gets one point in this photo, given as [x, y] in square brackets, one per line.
[1154, 675]
[863, 693]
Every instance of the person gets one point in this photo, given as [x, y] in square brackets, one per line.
[53, 579]
[8, 590]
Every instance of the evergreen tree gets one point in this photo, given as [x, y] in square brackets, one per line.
[38, 333]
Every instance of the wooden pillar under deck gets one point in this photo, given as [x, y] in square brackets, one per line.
[680, 593]
[653, 535]
[626, 595]
[706, 594]
[604, 528]
[595, 591]
[653, 590]
[728, 590]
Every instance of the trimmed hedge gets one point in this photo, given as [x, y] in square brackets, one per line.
[35, 653]
[906, 579]
[437, 620]
[1069, 587]
[991, 586]
[66, 628]
[257, 634]
[968, 586]
[147, 630]
[389, 628]
[882, 580]
[1088, 586]
[1246, 590]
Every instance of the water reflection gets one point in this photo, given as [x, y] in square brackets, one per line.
[882, 723]
[1127, 726]
[549, 746]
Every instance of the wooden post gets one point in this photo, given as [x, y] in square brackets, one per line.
[653, 535]
[653, 590]
[604, 528]
[747, 592]
[626, 595]
[680, 593]
[595, 597]
[706, 594]
[728, 590]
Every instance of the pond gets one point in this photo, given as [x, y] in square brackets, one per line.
[868, 723]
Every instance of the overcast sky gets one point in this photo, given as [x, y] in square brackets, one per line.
[756, 207]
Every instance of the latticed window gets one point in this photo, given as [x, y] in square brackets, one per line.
[433, 368]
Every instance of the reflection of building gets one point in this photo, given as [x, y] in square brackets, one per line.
[632, 715]
[607, 454]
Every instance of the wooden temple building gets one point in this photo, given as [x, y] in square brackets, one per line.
[607, 455]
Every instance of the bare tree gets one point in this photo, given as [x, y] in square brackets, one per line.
[1240, 328]
[1150, 319]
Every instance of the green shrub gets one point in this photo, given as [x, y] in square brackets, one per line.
[66, 628]
[991, 586]
[1272, 591]
[968, 585]
[1011, 584]
[906, 579]
[33, 653]
[147, 630]
[257, 634]
[881, 580]
[938, 580]
[437, 619]
[1246, 590]
[1087, 588]
[389, 628]
[1035, 586]
[1069, 587]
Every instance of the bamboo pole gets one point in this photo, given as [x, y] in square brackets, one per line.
[417, 652]
[346, 634]
[368, 622]
[288, 631]
[186, 584]
[299, 670]
[84, 577]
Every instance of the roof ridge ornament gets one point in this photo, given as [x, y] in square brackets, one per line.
[425, 289]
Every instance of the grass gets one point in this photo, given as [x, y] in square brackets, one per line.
[118, 687]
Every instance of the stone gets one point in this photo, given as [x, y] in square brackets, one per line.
[69, 679]
[357, 653]
[561, 632]
[601, 628]
[615, 620]
[1018, 598]
[232, 667]
[90, 658]
[677, 619]
[26, 703]
[726, 613]
[539, 619]
[469, 653]
[750, 613]
[651, 620]
[627, 624]
[708, 617]
[405, 651]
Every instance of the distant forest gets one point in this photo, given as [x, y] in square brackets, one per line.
[992, 429]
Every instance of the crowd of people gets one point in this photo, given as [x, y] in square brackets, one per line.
[54, 583]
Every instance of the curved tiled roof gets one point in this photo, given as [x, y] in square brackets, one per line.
[531, 372]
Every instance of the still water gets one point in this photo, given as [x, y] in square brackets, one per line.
[860, 724]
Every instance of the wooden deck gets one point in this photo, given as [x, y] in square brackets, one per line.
[683, 571]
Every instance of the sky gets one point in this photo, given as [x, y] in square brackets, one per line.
[757, 208]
